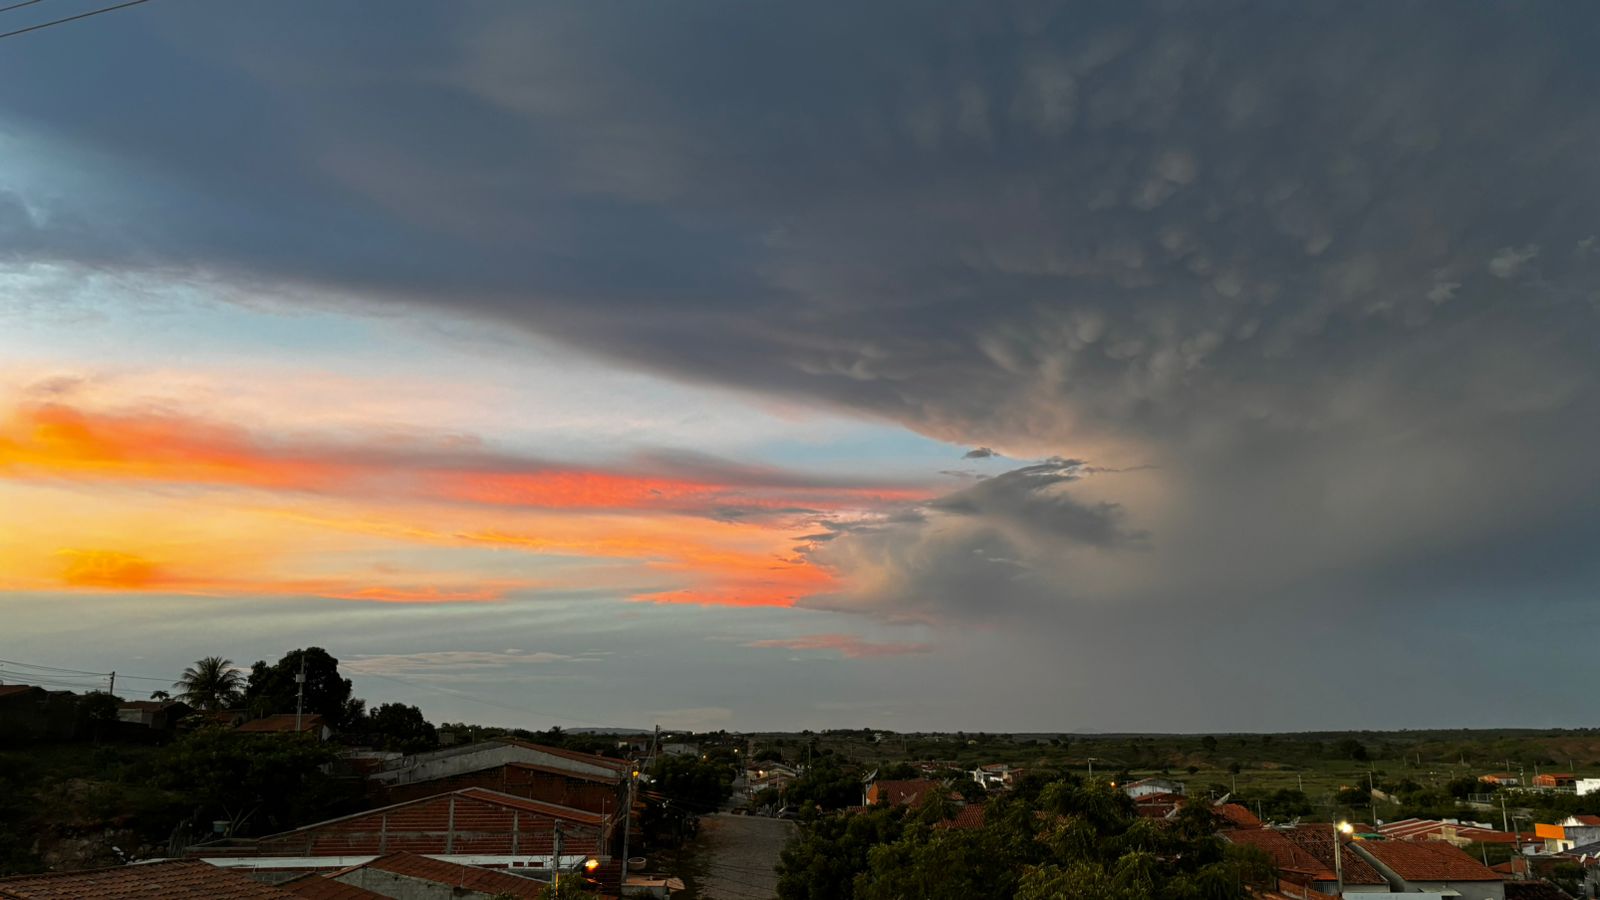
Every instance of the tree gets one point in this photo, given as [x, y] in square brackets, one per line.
[272, 689]
[396, 726]
[212, 683]
[1350, 748]
[1208, 744]
[822, 861]
[693, 783]
[276, 781]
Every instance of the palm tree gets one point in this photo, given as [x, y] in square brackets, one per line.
[211, 684]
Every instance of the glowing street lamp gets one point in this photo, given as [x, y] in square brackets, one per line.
[1343, 828]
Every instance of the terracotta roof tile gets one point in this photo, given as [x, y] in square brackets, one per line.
[1428, 861]
[903, 793]
[1237, 815]
[551, 810]
[1288, 856]
[8, 689]
[318, 887]
[173, 880]
[970, 816]
[488, 881]
[1317, 840]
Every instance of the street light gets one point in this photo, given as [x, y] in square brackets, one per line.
[1338, 853]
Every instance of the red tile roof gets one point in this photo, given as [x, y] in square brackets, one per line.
[282, 723]
[970, 816]
[173, 880]
[901, 793]
[552, 810]
[1587, 820]
[8, 689]
[470, 877]
[1317, 840]
[318, 887]
[1237, 815]
[1290, 858]
[1428, 861]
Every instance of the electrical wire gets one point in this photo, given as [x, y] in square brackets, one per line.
[466, 696]
[63, 21]
[19, 5]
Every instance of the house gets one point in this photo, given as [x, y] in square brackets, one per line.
[1431, 867]
[288, 723]
[220, 718]
[766, 775]
[1501, 779]
[900, 793]
[1454, 831]
[471, 826]
[170, 880]
[417, 877]
[1298, 869]
[1157, 806]
[680, 749]
[1555, 780]
[1586, 785]
[157, 715]
[533, 771]
[1143, 786]
[1573, 831]
[31, 713]
[996, 777]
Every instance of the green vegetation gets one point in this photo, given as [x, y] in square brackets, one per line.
[692, 783]
[1067, 838]
[212, 683]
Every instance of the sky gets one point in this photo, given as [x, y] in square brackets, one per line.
[1010, 366]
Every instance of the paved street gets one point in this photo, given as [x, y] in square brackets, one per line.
[735, 856]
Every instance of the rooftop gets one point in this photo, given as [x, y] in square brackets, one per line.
[320, 887]
[1428, 861]
[172, 880]
[471, 877]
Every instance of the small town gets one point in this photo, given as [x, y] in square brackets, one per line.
[770, 450]
[219, 790]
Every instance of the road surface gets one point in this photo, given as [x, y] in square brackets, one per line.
[735, 855]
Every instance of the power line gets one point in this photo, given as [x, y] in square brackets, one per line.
[92, 12]
[44, 668]
[19, 5]
[466, 696]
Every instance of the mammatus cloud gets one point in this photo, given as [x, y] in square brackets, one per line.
[1329, 288]
[847, 646]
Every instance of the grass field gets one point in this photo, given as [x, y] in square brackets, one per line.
[1317, 764]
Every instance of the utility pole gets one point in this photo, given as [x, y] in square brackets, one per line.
[1300, 780]
[112, 687]
[627, 826]
[1505, 822]
[555, 862]
[300, 692]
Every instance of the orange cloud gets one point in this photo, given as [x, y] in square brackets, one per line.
[107, 569]
[58, 441]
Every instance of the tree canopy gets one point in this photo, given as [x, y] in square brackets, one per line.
[272, 689]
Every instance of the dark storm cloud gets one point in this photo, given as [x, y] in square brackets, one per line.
[1330, 269]
[979, 453]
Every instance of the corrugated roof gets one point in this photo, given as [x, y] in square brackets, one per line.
[1317, 840]
[173, 880]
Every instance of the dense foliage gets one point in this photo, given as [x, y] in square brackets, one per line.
[272, 689]
[263, 782]
[1066, 840]
[698, 785]
[396, 726]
